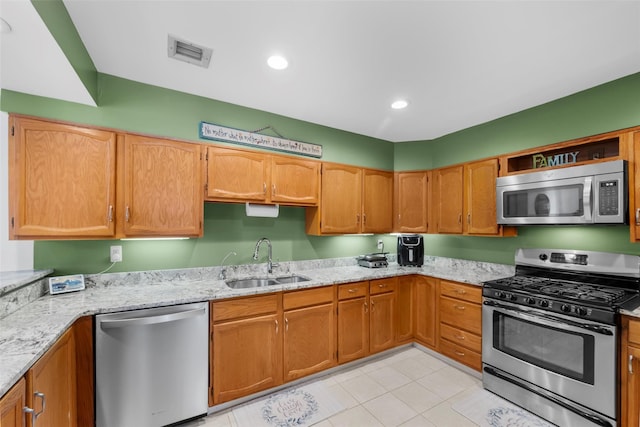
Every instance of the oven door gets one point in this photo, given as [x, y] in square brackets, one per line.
[572, 358]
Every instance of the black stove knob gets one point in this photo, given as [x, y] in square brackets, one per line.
[565, 307]
[581, 311]
[543, 303]
[500, 294]
[512, 297]
[530, 300]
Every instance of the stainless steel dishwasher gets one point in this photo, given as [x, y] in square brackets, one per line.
[152, 366]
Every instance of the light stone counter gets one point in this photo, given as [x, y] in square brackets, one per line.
[26, 333]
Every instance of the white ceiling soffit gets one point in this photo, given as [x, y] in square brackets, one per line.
[31, 60]
[458, 63]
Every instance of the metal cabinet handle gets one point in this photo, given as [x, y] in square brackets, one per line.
[460, 307]
[34, 414]
[264, 188]
[366, 308]
[364, 218]
[357, 218]
[127, 214]
[372, 306]
[631, 364]
[286, 324]
[110, 213]
[276, 327]
[273, 189]
[460, 219]
[638, 216]
[469, 219]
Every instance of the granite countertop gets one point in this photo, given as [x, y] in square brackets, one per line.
[11, 280]
[30, 331]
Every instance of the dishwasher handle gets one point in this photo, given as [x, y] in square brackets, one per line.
[151, 320]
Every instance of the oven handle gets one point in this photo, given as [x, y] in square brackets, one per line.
[535, 317]
[593, 418]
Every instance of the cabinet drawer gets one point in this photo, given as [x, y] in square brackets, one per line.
[460, 337]
[460, 291]
[307, 297]
[244, 307]
[380, 286]
[353, 290]
[634, 331]
[461, 354]
[461, 314]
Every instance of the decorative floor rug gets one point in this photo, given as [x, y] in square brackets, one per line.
[488, 410]
[297, 407]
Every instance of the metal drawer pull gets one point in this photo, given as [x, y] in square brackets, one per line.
[382, 286]
[351, 291]
[460, 307]
[631, 364]
[459, 353]
[461, 291]
[460, 337]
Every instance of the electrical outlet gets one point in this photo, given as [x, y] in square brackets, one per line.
[116, 253]
[380, 245]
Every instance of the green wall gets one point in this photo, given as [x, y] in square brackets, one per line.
[136, 107]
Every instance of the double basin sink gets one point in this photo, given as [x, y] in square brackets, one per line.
[264, 281]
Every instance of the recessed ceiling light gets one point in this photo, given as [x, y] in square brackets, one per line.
[277, 62]
[399, 104]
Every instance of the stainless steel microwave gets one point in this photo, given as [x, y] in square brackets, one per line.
[588, 194]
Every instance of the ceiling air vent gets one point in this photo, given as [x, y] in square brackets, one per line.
[189, 52]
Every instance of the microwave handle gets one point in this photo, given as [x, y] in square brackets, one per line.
[587, 193]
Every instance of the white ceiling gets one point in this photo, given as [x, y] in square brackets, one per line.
[459, 63]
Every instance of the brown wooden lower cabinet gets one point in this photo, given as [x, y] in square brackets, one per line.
[11, 404]
[460, 324]
[353, 321]
[425, 303]
[630, 372]
[405, 308]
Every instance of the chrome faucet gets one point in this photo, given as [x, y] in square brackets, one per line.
[270, 263]
[222, 276]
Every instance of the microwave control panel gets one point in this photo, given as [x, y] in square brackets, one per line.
[608, 197]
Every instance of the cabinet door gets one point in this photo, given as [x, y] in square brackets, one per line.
[11, 404]
[382, 322]
[404, 309]
[309, 341]
[294, 181]
[341, 199]
[411, 194]
[62, 180]
[480, 197]
[353, 329]
[377, 202]
[449, 199]
[247, 357]
[234, 175]
[634, 190]
[52, 379]
[425, 303]
[162, 188]
[633, 387]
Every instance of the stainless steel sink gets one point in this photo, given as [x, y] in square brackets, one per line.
[264, 281]
[292, 279]
[250, 283]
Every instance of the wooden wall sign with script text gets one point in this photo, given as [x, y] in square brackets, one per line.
[220, 133]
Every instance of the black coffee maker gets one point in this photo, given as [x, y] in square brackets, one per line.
[410, 250]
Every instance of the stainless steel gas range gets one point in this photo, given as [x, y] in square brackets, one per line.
[550, 334]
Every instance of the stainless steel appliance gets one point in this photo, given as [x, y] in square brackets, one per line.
[549, 334]
[588, 194]
[378, 260]
[152, 366]
[410, 250]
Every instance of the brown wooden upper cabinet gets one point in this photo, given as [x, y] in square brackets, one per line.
[411, 192]
[245, 176]
[162, 187]
[63, 183]
[634, 188]
[62, 180]
[465, 199]
[353, 200]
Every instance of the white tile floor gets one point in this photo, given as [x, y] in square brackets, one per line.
[409, 388]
